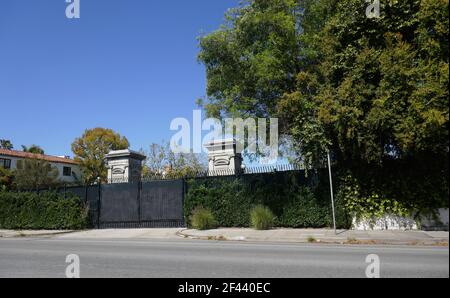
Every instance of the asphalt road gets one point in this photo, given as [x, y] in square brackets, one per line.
[209, 259]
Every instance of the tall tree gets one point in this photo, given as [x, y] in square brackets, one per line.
[373, 91]
[252, 60]
[6, 144]
[33, 149]
[35, 174]
[91, 148]
[366, 88]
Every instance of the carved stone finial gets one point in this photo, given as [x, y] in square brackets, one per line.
[124, 166]
[223, 158]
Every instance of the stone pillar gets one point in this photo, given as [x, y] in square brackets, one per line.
[223, 158]
[124, 166]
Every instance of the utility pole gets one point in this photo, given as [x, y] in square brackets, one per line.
[331, 191]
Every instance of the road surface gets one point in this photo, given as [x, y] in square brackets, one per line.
[184, 258]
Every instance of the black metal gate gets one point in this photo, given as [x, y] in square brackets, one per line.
[161, 203]
[119, 206]
[152, 204]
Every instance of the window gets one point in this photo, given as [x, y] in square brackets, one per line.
[5, 163]
[67, 171]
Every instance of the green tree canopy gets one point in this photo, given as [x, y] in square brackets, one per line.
[373, 89]
[33, 149]
[369, 89]
[91, 148]
[6, 144]
[252, 60]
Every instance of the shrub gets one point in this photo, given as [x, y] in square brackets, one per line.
[203, 219]
[6, 179]
[305, 210]
[311, 239]
[44, 210]
[261, 218]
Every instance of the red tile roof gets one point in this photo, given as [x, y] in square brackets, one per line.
[49, 158]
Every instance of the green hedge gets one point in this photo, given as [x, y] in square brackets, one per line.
[295, 200]
[45, 210]
[410, 188]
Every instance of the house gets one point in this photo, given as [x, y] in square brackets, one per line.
[68, 169]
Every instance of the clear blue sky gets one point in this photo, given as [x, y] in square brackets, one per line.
[129, 65]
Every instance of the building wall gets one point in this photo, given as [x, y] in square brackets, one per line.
[59, 166]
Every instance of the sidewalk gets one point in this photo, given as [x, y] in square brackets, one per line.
[160, 233]
[166, 233]
[245, 234]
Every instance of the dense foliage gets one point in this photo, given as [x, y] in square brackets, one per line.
[6, 179]
[252, 60]
[372, 90]
[295, 201]
[45, 210]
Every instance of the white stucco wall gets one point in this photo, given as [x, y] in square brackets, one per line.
[387, 222]
[393, 222]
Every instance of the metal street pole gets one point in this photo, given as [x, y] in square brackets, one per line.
[331, 191]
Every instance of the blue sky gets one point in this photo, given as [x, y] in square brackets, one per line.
[129, 65]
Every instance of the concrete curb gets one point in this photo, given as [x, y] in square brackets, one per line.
[21, 234]
[428, 242]
[196, 237]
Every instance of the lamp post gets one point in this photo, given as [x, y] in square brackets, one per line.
[331, 190]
